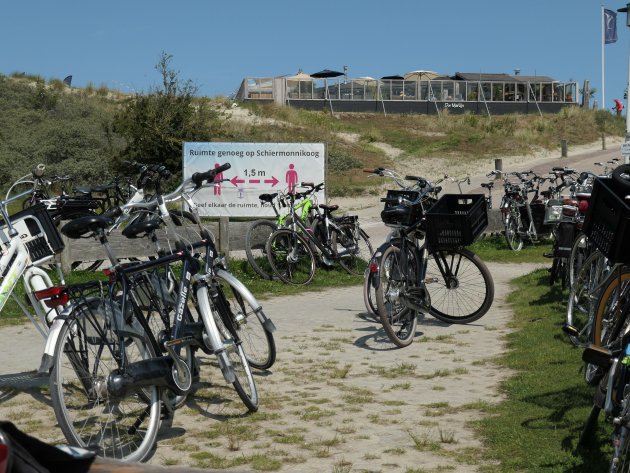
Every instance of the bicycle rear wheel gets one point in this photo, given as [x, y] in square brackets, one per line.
[258, 343]
[460, 284]
[256, 247]
[291, 257]
[512, 233]
[87, 352]
[399, 321]
[355, 248]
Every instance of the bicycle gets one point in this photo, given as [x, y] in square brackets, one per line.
[291, 250]
[462, 283]
[107, 356]
[29, 241]
[260, 230]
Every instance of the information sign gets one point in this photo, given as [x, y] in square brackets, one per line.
[256, 168]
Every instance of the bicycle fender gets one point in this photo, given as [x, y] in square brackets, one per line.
[248, 296]
[51, 343]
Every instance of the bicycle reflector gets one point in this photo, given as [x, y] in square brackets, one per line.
[53, 296]
[373, 267]
[583, 206]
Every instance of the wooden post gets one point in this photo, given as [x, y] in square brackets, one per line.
[563, 147]
[224, 237]
[603, 140]
[64, 257]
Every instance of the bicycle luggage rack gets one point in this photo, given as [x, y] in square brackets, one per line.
[607, 222]
[456, 220]
[37, 231]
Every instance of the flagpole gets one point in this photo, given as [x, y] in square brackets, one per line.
[603, 105]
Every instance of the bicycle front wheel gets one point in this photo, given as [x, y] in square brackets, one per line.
[580, 250]
[399, 321]
[291, 257]
[256, 247]
[122, 427]
[460, 284]
[354, 249]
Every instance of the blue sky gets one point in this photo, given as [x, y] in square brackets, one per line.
[218, 43]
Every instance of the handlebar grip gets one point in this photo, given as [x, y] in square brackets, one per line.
[209, 176]
[307, 184]
[557, 169]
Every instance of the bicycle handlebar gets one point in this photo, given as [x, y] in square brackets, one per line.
[208, 176]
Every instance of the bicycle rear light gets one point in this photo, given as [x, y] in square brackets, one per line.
[583, 206]
[53, 296]
[373, 267]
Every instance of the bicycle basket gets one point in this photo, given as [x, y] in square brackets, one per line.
[456, 220]
[406, 214]
[607, 222]
[37, 231]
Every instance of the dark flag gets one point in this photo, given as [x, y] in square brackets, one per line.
[610, 26]
[68, 79]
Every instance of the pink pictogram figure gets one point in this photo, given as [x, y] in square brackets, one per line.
[217, 186]
[292, 179]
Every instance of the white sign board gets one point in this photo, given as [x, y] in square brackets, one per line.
[257, 168]
[625, 149]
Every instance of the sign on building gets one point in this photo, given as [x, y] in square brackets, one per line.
[257, 168]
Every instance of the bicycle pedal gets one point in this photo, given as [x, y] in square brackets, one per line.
[548, 255]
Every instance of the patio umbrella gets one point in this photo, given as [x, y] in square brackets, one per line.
[420, 75]
[326, 74]
[299, 76]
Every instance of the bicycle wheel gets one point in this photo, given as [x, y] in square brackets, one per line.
[291, 257]
[258, 343]
[369, 293]
[610, 315]
[583, 297]
[244, 383]
[399, 321]
[620, 461]
[256, 247]
[353, 248]
[123, 427]
[580, 250]
[512, 233]
[460, 284]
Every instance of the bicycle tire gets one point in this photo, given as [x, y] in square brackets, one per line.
[369, 293]
[356, 244]
[85, 354]
[244, 383]
[399, 322]
[610, 316]
[580, 251]
[259, 344]
[583, 298]
[291, 257]
[460, 284]
[512, 233]
[256, 247]
[620, 461]
[621, 177]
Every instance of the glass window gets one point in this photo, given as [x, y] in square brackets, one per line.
[319, 90]
[386, 90]
[345, 91]
[569, 90]
[448, 91]
[371, 88]
[486, 91]
[472, 92]
[409, 90]
[459, 90]
[497, 91]
[546, 93]
[306, 89]
[397, 90]
[435, 90]
[423, 90]
[520, 92]
[510, 92]
[558, 92]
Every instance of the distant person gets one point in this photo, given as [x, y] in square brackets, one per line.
[618, 107]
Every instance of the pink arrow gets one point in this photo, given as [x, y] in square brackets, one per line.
[254, 181]
[273, 181]
[236, 181]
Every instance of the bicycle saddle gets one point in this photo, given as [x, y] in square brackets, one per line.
[141, 228]
[98, 189]
[329, 208]
[488, 185]
[267, 197]
[81, 226]
[396, 213]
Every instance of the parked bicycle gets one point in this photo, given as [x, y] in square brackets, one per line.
[292, 251]
[426, 269]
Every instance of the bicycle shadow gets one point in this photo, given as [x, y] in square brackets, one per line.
[27, 382]
[376, 339]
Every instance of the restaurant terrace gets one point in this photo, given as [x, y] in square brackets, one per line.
[423, 92]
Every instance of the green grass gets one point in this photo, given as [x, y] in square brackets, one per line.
[494, 249]
[547, 401]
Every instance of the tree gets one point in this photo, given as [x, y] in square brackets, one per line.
[156, 125]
